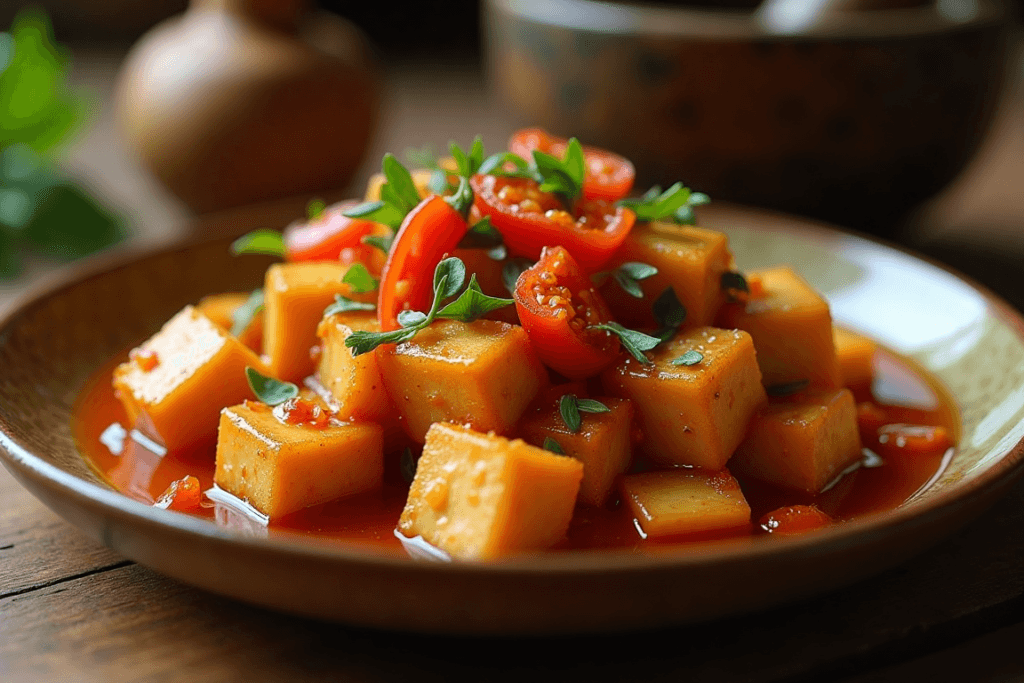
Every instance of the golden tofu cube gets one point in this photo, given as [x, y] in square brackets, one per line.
[602, 444]
[355, 382]
[482, 374]
[295, 296]
[802, 442]
[280, 468]
[220, 308]
[855, 354]
[690, 260]
[481, 496]
[693, 414]
[792, 330]
[175, 384]
[685, 501]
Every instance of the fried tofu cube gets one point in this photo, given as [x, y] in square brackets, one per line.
[693, 414]
[685, 501]
[792, 330]
[855, 354]
[603, 443]
[355, 382]
[482, 374]
[220, 308]
[481, 496]
[175, 384]
[803, 442]
[280, 468]
[690, 260]
[295, 296]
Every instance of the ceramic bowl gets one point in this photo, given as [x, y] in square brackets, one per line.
[887, 105]
[974, 344]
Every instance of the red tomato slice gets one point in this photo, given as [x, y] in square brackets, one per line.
[429, 232]
[326, 237]
[557, 303]
[608, 176]
[530, 220]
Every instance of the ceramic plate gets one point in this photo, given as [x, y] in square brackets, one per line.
[972, 341]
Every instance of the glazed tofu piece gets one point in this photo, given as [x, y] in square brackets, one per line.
[802, 442]
[480, 496]
[690, 260]
[280, 468]
[693, 414]
[685, 501]
[602, 444]
[355, 383]
[482, 374]
[295, 296]
[856, 357]
[220, 308]
[174, 385]
[792, 330]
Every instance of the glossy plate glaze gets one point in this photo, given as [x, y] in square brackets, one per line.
[969, 339]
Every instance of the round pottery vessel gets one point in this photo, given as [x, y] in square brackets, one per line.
[856, 120]
[968, 338]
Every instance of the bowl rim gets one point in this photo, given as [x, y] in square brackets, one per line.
[648, 20]
[23, 463]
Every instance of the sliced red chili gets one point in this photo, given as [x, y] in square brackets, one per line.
[608, 176]
[429, 231]
[530, 220]
[557, 305]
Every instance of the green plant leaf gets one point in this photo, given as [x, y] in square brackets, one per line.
[315, 208]
[691, 357]
[734, 281]
[381, 242]
[511, 271]
[552, 446]
[407, 465]
[359, 280]
[482, 235]
[633, 341]
[342, 304]
[242, 316]
[788, 389]
[472, 304]
[269, 390]
[454, 270]
[411, 318]
[262, 241]
[669, 311]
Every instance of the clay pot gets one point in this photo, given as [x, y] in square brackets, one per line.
[237, 101]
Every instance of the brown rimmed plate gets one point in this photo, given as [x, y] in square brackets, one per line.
[973, 342]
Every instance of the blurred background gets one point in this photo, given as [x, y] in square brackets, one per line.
[125, 120]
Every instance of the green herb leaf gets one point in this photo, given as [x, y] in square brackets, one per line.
[496, 165]
[629, 274]
[473, 304]
[553, 446]
[342, 304]
[399, 183]
[359, 280]
[561, 176]
[691, 357]
[570, 412]
[242, 316]
[423, 157]
[589, 405]
[269, 390]
[407, 465]
[675, 204]
[438, 183]
[454, 270]
[670, 313]
[411, 318]
[468, 164]
[378, 212]
[481, 235]
[381, 242]
[360, 342]
[788, 389]
[734, 281]
[263, 241]
[462, 199]
[315, 208]
[511, 271]
[633, 341]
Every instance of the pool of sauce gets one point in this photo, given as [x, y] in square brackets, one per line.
[138, 469]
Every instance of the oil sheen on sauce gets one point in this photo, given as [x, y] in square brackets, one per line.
[136, 467]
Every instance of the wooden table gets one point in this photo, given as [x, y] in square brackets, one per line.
[73, 611]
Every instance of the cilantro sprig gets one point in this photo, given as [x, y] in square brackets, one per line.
[398, 196]
[633, 341]
[269, 390]
[449, 277]
[563, 177]
[675, 204]
[570, 407]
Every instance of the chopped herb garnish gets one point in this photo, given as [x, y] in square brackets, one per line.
[570, 408]
[469, 164]
[670, 313]
[563, 177]
[407, 465]
[449, 276]
[359, 280]
[242, 316]
[634, 342]
[482, 235]
[789, 388]
[262, 241]
[511, 271]
[315, 208]
[424, 157]
[342, 304]
[553, 446]
[497, 164]
[398, 196]
[628, 276]
[675, 204]
[733, 281]
[382, 242]
[691, 357]
[269, 390]
[462, 199]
